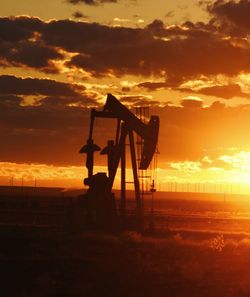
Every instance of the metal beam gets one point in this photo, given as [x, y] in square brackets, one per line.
[139, 205]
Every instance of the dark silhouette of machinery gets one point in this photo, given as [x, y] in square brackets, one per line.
[99, 198]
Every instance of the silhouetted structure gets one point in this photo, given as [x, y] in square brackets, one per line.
[99, 199]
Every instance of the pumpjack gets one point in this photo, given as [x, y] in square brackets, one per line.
[99, 199]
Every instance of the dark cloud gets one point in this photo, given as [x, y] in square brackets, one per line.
[10, 100]
[148, 56]
[79, 15]
[217, 105]
[169, 14]
[152, 86]
[80, 101]
[178, 52]
[228, 91]
[91, 2]
[138, 100]
[225, 92]
[33, 86]
[191, 103]
[50, 132]
[18, 28]
[29, 54]
[86, 37]
[42, 134]
[232, 15]
[32, 55]
[21, 44]
[186, 53]
[45, 92]
[157, 27]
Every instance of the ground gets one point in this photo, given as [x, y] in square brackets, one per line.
[124, 265]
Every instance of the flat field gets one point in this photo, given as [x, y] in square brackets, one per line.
[200, 248]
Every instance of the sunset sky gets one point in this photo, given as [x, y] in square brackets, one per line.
[188, 60]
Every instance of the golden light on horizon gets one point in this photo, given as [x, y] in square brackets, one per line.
[181, 176]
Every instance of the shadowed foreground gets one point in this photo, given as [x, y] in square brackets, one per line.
[126, 265]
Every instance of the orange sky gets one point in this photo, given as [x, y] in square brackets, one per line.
[189, 62]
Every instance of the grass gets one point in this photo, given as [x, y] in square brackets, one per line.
[128, 265]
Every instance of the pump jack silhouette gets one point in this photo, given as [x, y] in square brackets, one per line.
[99, 197]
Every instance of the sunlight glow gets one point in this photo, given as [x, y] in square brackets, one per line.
[206, 175]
